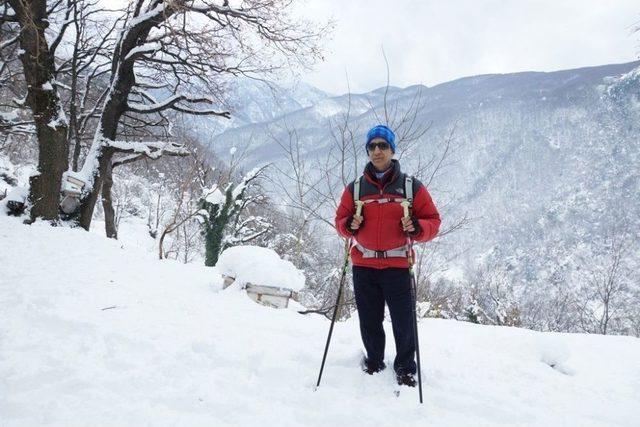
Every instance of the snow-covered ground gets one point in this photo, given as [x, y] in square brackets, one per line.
[97, 332]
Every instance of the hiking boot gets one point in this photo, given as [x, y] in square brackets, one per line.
[371, 367]
[406, 378]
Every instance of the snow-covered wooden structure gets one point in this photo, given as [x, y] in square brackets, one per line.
[71, 191]
[270, 296]
[266, 278]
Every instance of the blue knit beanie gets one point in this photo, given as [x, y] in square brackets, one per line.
[381, 131]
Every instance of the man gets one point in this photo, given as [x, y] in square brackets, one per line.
[379, 253]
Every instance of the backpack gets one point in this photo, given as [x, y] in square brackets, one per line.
[402, 251]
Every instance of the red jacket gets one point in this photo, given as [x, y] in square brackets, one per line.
[382, 229]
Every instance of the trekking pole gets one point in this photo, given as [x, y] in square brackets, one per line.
[335, 310]
[414, 293]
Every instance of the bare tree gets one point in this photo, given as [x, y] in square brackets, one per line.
[38, 64]
[84, 71]
[605, 298]
[15, 123]
[492, 297]
[183, 46]
[186, 207]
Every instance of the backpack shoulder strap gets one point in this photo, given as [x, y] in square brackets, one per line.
[356, 189]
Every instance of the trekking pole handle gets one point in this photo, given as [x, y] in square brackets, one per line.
[405, 206]
[359, 205]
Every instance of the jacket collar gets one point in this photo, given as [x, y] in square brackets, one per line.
[391, 173]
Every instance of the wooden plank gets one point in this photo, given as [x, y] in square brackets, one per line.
[269, 290]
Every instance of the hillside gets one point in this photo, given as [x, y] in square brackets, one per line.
[95, 331]
[541, 166]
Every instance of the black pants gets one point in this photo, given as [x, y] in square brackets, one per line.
[372, 288]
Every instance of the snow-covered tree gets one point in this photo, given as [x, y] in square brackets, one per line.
[182, 48]
[161, 56]
[219, 211]
[492, 299]
[606, 302]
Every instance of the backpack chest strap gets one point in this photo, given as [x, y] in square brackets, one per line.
[384, 200]
[408, 193]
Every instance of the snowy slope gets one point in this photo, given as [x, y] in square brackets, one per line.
[96, 332]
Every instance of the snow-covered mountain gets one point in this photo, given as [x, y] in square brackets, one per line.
[103, 333]
[545, 164]
[442, 104]
[255, 101]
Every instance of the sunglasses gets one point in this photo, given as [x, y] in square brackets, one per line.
[381, 145]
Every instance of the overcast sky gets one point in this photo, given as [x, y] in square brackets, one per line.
[434, 41]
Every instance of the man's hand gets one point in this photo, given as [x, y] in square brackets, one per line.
[356, 222]
[407, 225]
[410, 225]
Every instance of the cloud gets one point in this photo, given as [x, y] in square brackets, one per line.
[431, 42]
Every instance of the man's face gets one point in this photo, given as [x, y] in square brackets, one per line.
[380, 154]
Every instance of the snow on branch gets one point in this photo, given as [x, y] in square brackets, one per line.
[249, 229]
[7, 16]
[154, 10]
[207, 8]
[11, 122]
[8, 42]
[150, 149]
[126, 160]
[172, 103]
[141, 50]
[65, 24]
[177, 150]
[250, 176]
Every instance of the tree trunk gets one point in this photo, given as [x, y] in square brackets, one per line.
[76, 153]
[107, 203]
[88, 203]
[42, 98]
[213, 243]
[214, 236]
[114, 107]
[107, 129]
[44, 192]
